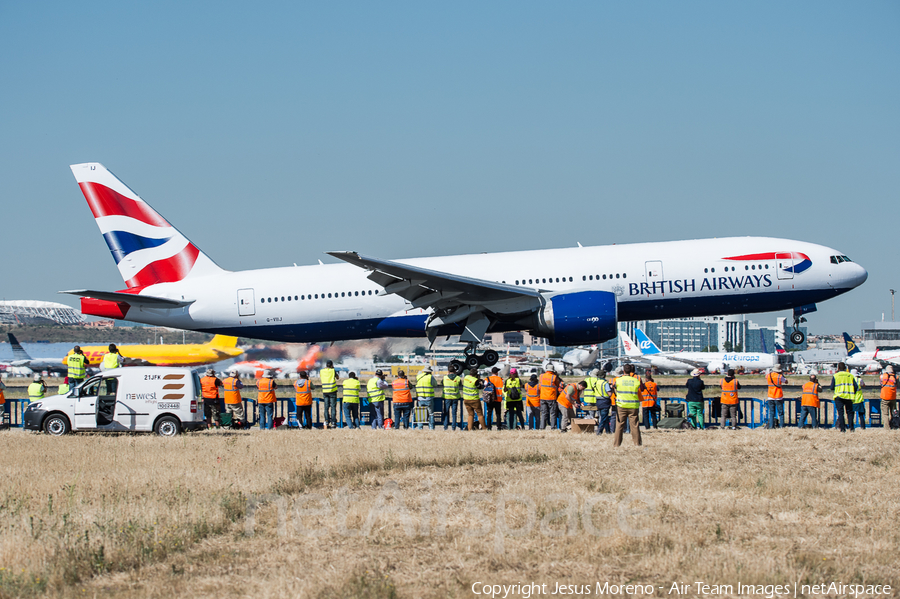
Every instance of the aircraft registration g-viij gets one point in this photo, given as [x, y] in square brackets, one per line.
[571, 296]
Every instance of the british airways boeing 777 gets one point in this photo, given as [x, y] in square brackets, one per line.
[571, 296]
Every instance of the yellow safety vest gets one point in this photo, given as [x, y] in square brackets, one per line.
[858, 397]
[329, 380]
[589, 395]
[424, 388]
[451, 386]
[375, 393]
[110, 361]
[470, 391]
[843, 385]
[63, 389]
[75, 362]
[512, 383]
[627, 388]
[351, 390]
[35, 391]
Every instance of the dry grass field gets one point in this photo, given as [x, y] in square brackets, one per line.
[428, 514]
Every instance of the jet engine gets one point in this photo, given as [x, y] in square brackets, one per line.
[582, 317]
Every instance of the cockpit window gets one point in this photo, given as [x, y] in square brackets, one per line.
[846, 259]
[834, 260]
[839, 259]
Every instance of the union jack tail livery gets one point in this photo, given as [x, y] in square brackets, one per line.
[146, 248]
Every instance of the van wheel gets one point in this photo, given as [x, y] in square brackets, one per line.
[56, 425]
[167, 427]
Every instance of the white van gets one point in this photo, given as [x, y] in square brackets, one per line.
[139, 398]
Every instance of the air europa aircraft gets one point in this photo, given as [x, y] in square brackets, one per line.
[571, 296]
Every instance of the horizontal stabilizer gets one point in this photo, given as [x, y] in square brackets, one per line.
[131, 299]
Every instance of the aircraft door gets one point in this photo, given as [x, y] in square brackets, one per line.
[653, 272]
[246, 302]
[784, 265]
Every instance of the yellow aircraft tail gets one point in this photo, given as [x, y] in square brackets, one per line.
[223, 341]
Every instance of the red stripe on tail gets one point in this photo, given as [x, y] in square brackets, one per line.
[106, 202]
[169, 270]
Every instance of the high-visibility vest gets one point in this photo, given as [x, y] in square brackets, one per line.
[303, 392]
[858, 397]
[775, 381]
[533, 395]
[498, 385]
[35, 391]
[627, 388]
[649, 394]
[810, 395]
[2, 397]
[329, 380]
[209, 388]
[513, 383]
[843, 385]
[563, 398]
[351, 390]
[590, 393]
[232, 393]
[601, 390]
[469, 390]
[63, 389]
[729, 392]
[451, 386]
[375, 393]
[549, 384]
[424, 388]
[266, 388]
[401, 391]
[75, 362]
[888, 387]
[110, 361]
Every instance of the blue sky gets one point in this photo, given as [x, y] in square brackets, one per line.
[269, 133]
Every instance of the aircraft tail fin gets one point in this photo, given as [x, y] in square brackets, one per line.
[852, 349]
[631, 349]
[146, 248]
[779, 349]
[648, 348]
[18, 351]
[223, 341]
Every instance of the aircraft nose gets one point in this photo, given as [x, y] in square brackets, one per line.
[857, 275]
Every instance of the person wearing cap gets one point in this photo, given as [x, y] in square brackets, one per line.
[549, 385]
[775, 398]
[729, 400]
[350, 402]
[613, 411]
[450, 412]
[649, 403]
[845, 387]
[303, 399]
[694, 397]
[809, 403]
[512, 389]
[493, 402]
[470, 394]
[77, 364]
[888, 393]
[328, 378]
[425, 386]
[375, 394]
[402, 399]
[859, 402]
[265, 399]
[628, 402]
[209, 391]
[603, 398]
[37, 389]
[533, 402]
[234, 404]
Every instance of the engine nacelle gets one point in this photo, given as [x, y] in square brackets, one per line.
[578, 318]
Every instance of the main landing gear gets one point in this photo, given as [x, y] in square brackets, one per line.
[797, 337]
[473, 360]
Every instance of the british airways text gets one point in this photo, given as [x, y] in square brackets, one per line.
[690, 285]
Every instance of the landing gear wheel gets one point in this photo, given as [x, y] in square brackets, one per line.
[457, 366]
[472, 361]
[490, 357]
[797, 337]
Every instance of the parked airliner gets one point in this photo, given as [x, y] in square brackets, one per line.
[870, 361]
[647, 351]
[572, 296]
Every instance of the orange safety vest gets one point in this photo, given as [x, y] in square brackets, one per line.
[888, 387]
[266, 391]
[232, 393]
[649, 394]
[401, 391]
[775, 381]
[729, 392]
[533, 395]
[2, 398]
[810, 395]
[548, 384]
[209, 389]
[563, 398]
[498, 385]
[303, 391]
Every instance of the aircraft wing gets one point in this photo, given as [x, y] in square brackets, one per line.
[133, 299]
[453, 298]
